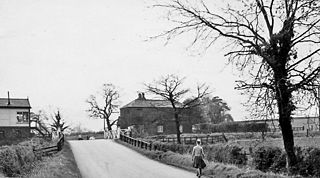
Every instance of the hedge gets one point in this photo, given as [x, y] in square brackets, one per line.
[231, 153]
[15, 160]
[233, 127]
[273, 159]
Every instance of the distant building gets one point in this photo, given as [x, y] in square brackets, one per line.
[299, 124]
[152, 117]
[14, 118]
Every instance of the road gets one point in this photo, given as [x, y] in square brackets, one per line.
[108, 159]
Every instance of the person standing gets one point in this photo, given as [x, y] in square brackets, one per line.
[197, 157]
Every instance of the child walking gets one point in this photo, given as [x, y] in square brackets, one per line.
[197, 157]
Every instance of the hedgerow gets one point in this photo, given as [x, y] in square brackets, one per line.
[18, 159]
[273, 159]
[231, 153]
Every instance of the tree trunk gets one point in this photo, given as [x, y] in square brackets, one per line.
[285, 107]
[176, 117]
[109, 125]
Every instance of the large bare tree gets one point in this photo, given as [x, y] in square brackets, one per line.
[274, 43]
[171, 88]
[108, 105]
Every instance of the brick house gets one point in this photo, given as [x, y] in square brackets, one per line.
[14, 118]
[152, 117]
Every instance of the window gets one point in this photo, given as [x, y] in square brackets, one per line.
[160, 128]
[22, 117]
[181, 128]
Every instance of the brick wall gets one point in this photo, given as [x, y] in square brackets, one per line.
[14, 132]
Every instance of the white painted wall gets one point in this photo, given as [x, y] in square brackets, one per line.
[8, 117]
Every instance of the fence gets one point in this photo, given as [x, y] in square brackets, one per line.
[210, 139]
[51, 149]
[149, 146]
[136, 142]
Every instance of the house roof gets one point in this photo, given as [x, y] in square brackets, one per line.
[142, 102]
[14, 103]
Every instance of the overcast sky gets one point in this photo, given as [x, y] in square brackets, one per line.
[59, 52]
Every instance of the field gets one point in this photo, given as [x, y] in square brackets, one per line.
[299, 141]
[252, 140]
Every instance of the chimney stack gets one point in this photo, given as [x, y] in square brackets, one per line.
[141, 96]
[8, 98]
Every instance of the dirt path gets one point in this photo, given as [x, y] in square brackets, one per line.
[107, 159]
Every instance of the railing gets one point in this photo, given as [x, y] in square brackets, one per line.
[210, 139]
[40, 128]
[51, 149]
[136, 142]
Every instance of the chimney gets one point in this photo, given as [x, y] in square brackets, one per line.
[141, 96]
[8, 98]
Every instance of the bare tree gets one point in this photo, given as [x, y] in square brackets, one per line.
[275, 43]
[170, 89]
[109, 105]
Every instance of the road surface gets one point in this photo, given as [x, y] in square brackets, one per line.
[107, 159]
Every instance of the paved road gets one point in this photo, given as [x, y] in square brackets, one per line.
[107, 159]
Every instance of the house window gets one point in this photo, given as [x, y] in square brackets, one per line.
[181, 128]
[160, 128]
[22, 117]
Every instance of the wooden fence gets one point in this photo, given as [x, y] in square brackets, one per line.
[149, 146]
[136, 142]
[210, 139]
[51, 149]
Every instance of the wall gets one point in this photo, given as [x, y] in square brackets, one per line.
[14, 132]
[149, 118]
[8, 117]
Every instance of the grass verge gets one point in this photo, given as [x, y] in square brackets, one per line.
[213, 169]
[59, 165]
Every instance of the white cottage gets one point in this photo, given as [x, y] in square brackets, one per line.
[14, 118]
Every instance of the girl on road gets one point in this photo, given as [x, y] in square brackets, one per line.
[197, 157]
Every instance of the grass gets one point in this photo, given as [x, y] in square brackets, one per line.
[213, 169]
[59, 165]
[278, 142]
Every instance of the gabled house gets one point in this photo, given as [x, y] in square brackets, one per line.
[151, 117]
[14, 118]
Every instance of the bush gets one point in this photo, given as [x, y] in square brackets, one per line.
[308, 162]
[226, 153]
[231, 153]
[266, 156]
[274, 159]
[15, 159]
[18, 159]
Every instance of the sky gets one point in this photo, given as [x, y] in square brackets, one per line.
[58, 53]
